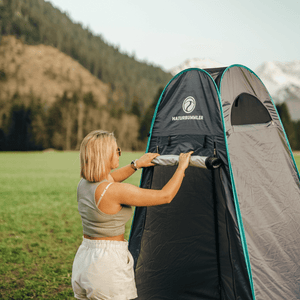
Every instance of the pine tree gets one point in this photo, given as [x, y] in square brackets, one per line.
[146, 122]
[287, 124]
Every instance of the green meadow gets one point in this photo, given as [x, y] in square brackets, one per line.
[40, 228]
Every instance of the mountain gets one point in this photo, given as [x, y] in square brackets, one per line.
[278, 76]
[45, 72]
[281, 79]
[196, 63]
[37, 22]
[59, 81]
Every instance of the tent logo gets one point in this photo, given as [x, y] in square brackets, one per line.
[189, 104]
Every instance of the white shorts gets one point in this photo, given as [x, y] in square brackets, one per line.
[103, 270]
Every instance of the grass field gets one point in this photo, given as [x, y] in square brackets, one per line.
[40, 228]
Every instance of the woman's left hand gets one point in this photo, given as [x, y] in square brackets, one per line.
[146, 160]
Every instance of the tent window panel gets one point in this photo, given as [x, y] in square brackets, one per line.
[247, 109]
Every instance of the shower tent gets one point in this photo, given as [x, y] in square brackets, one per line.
[233, 229]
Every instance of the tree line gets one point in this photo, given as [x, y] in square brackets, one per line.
[27, 124]
[292, 128]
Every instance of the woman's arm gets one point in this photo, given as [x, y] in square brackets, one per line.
[125, 172]
[122, 173]
[123, 193]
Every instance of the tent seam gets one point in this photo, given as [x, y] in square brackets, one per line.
[237, 206]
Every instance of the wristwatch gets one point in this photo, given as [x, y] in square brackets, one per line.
[133, 165]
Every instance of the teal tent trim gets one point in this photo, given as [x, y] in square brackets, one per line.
[236, 202]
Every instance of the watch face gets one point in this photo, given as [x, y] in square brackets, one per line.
[132, 165]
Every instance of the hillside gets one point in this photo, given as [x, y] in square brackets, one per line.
[37, 22]
[59, 81]
[49, 100]
[45, 72]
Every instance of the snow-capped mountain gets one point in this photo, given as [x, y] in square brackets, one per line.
[196, 63]
[282, 79]
[283, 83]
[278, 76]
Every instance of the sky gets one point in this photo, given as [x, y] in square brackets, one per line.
[168, 32]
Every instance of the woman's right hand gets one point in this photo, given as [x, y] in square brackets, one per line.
[184, 159]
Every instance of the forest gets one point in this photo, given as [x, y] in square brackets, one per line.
[28, 126]
[25, 123]
[28, 122]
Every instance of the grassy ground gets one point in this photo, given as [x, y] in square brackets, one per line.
[40, 228]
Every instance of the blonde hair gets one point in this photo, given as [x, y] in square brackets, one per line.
[96, 151]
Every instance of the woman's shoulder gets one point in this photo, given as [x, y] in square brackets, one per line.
[101, 187]
[87, 185]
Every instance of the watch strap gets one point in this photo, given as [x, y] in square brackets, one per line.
[133, 164]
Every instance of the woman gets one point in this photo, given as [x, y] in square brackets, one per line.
[103, 266]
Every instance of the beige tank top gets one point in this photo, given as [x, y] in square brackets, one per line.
[96, 223]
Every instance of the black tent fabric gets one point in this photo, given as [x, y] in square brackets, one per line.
[231, 232]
